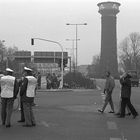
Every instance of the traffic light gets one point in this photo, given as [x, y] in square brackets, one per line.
[64, 63]
[32, 41]
[59, 63]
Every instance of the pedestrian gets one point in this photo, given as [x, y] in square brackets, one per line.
[48, 81]
[9, 90]
[38, 80]
[54, 81]
[108, 89]
[27, 96]
[125, 82]
[22, 118]
[119, 109]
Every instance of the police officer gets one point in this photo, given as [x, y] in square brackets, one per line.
[27, 93]
[9, 91]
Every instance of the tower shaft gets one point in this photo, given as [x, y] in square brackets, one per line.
[108, 56]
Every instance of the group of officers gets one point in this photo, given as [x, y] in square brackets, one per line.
[9, 89]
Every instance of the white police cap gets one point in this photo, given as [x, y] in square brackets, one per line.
[10, 70]
[27, 69]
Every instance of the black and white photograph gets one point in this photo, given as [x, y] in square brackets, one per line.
[69, 69]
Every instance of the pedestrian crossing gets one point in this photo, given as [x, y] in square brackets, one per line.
[111, 125]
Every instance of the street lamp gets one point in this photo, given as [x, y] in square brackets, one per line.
[1, 48]
[62, 73]
[73, 51]
[76, 35]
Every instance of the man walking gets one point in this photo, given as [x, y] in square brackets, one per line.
[27, 94]
[125, 96]
[9, 91]
[109, 86]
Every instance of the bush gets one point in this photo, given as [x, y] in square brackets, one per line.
[77, 80]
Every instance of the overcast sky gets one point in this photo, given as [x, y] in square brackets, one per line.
[20, 20]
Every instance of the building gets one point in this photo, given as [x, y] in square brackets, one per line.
[108, 56]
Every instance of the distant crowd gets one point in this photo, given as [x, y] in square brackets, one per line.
[52, 81]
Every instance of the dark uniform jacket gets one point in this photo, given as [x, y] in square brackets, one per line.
[23, 90]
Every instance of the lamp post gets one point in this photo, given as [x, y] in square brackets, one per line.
[73, 56]
[2, 55]
[62, 73]
[76, 35]
[1, 48]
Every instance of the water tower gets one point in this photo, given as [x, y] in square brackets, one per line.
[108, 56]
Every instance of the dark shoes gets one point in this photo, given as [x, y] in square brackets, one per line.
[134, 116]
[25, 125]
[111, 112]
[33, 124]
[121, 116]
[101, 111]
[128, 114]
[20, 121]
[3, 123]
[118, 114]
[7, 126]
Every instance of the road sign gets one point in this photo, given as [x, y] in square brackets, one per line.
[49, 57]
[23, 56]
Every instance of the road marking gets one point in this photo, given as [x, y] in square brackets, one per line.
[123, 137]
[98, 88]
[111, 125]
[115, 139]
[44, 123]
[103, 97]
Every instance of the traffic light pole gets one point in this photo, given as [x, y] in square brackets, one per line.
[62, 68]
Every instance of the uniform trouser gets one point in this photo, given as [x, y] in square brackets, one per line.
[108, 99]
[6, 110]
[22, 112]
[28, 113]
[124, 102]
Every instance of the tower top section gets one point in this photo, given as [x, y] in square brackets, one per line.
[108, 8]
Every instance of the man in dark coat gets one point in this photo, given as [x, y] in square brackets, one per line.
[125, 82]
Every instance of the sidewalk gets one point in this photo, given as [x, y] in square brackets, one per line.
[64, 90]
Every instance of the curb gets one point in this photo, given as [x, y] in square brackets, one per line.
[54, 90]
[65, 90]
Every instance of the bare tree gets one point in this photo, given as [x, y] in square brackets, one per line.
[130, 52]
[135, 45]
[96, 60]
[93, 69]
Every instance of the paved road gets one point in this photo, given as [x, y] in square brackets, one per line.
[72, 115]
